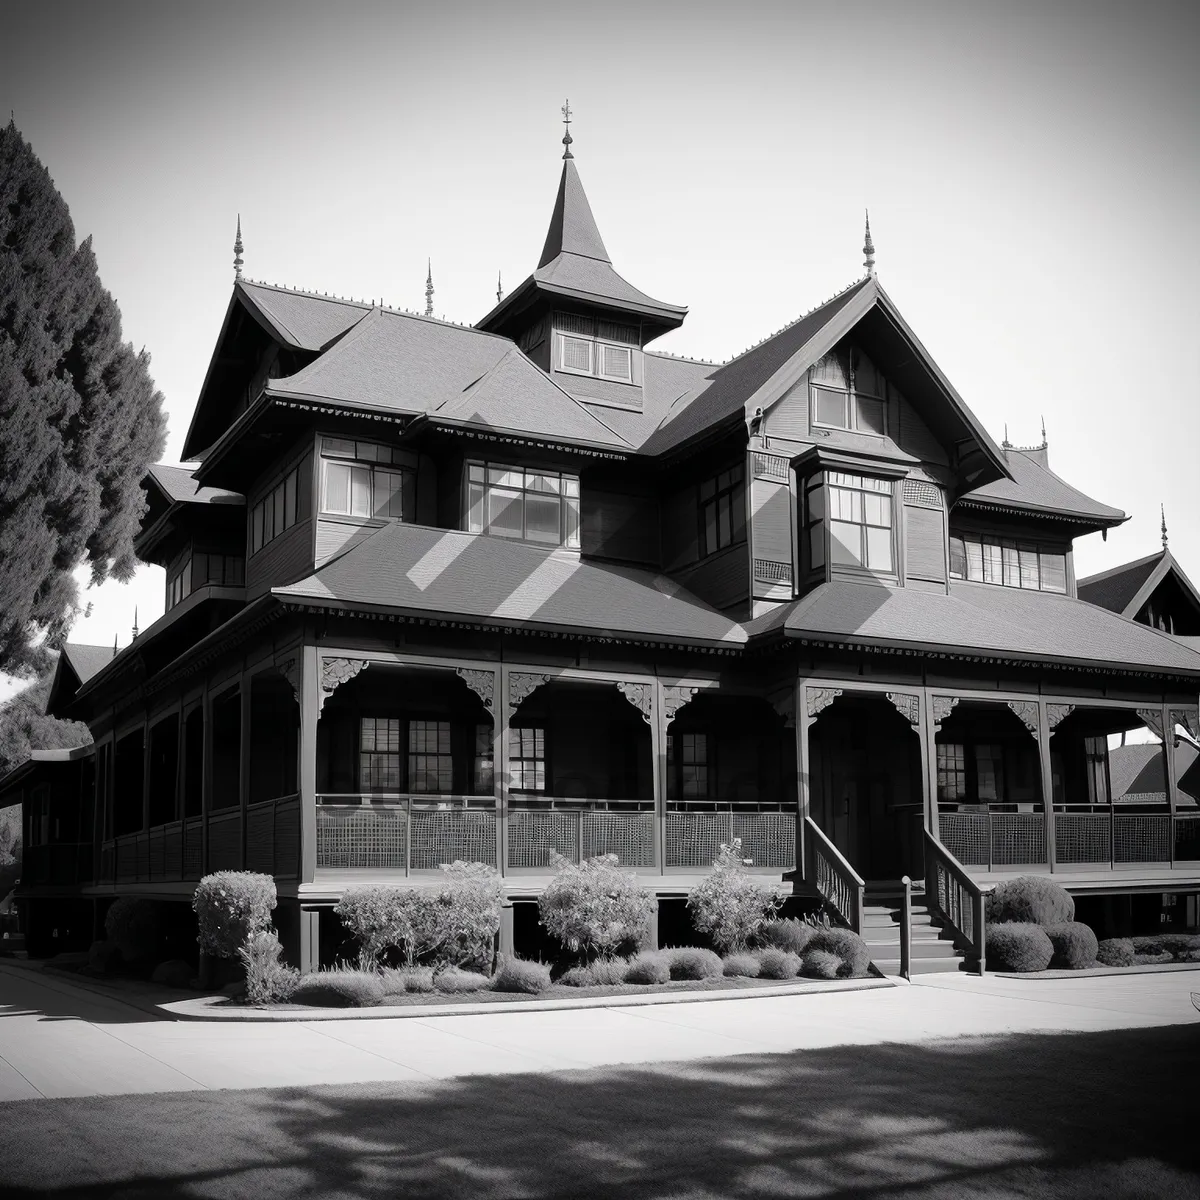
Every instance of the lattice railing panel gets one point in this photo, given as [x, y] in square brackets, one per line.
[768, 839]
[694, 839]
[225, 843]
[260, 838]
[1017, 838]
[1187, 839]
[1142, 837]
[193, 849]
[630, 836]
[287, 838]
[1082, 838]
[533, 837]
[173, 852]
[443, 837]
[157, 854]
[141, 847]
[361, 837]
[966, 836]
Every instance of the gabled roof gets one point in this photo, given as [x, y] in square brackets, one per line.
[1034, 488]
[448, 575]
[1125, 589]
[77, 663]
[302, 320]
[1137, 774]
[179, 486]
[978, 620]
[575, 265]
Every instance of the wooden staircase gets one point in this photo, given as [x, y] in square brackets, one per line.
[931, 947]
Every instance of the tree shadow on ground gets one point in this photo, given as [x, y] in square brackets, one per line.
[1108, 1114]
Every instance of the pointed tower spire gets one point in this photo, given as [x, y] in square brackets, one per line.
[567, 139]
[237, 251]
[1045, 443]
[869, 248]
[135, 627]
[114, 645]
[429, 290]
[1163, 513]
[499, 288]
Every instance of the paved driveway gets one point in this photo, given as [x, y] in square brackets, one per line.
[60, 1040]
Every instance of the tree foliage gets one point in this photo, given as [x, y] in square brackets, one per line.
[25, 727]
[80, 419]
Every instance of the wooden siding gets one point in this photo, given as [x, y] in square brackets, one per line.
[721, 579]
[789, 418]
[335, 536]
[281, 560]
[620, 524]
[925, 547]
[771, 536]
[912, 434]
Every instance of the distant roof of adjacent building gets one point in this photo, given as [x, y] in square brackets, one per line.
[1126, 588]
[77, 663]
[1137, 773]
[446, 575]
[179, 486]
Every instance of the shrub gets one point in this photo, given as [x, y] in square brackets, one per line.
[594, 908]
[1152, 958]
[730, 904]
[822, 964]
[519, 975]
[604, 972]
[453, 923]
[455, 979]
[342, 987]
[1018, 946]
[230, 906]
[651, 967]
[691, 962]
[1074, 945]
[268, 979]
[398, 980]
[789, 934]
[136, 926]
[103, 957]
[1030, 899]
[1178, 945]
[847, 946]
[744, 965]
[778, 964]
[1115, 952]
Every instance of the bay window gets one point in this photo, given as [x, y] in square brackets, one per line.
[364, 479]
[722, 511]
[860, 521]
[533, 504]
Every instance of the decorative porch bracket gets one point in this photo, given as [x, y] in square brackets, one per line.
[908, 705]
[1189, 718]
[821, 698]
[521, 685]
[290, 670]
[1152, 719]
[675, 696]
[1027, 712]
[940, 708]
[641, 696]
[482, 683]
[1056, 714]
[335, 672]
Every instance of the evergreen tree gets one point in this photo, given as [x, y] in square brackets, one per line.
[80, 419]
[25, 725]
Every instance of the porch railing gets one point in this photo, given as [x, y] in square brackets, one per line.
[838, 882]
[57, 864]
[540, 829]
[273, 837]
[959, 900]
[767, 832]
[999, 835]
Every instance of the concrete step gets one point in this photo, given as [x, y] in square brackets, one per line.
[918, 966]
[925, 950]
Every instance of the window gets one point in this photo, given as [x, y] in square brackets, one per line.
[527, 759]
[993, 560]
[275, 512]
[587, 346]
[482, 773]
[951, 771]
[203, 568]
[849, 393]
[179, 585]
[379, 754]
[364, 479]
[989, 773]
[534, 505]
[722, 511]
[430, 763]
[814, 526]
[860, 521]
[687, 764]
[1095, 751]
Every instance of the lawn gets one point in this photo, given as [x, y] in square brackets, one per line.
[1072, 1115]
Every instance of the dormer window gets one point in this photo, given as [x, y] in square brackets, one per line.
[850, 522]
[531, 504]
[365, 479]
[849, 393]
[604, 349]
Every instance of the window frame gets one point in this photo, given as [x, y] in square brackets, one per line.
[282, 500]
[677, 762]
[569, 496]
[372, 459]
[438, 754]
[597, 345]
[729, 500]
[850, 397]
[517, 740]
[1014, 556]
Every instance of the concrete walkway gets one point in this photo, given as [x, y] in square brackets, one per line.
[56, 1039]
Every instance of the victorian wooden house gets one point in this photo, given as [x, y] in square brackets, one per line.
[438, 592]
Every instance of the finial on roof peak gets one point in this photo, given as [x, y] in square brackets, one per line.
[114, 645]
[1163, 513]
[868, 247]
[1045, 443]
[1006, 444]
[135, 625]
[429, 289]
[237, 251]
[499, 288]
[567, 139]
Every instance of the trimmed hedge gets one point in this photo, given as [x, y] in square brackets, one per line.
[454, 980]
[822, 964]
[1018, 946]
[691, 962]
[594, 908]
[520, 975]
[1030, 899]
[847, 946]
[341, 988]
[651, 967]
[1075, 946]
[788, 934]
[745, 965]
[1115, 952]
[230, 906]
[774, 963]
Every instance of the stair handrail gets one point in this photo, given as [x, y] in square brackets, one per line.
[839, 883]
[956, 897]
[906, 928]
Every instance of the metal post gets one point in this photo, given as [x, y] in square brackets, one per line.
[407, 836]
[1047, 773]
[906, 928]
[1172, 780]
[658, 751]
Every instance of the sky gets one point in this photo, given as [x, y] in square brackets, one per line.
[1031, 171]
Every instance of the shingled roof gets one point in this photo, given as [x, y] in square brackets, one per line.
[977, 619]
[1127, 588]
[299, 319]
[449, 575]
[179, 486]
[1137, 773]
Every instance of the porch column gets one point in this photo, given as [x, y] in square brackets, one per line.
[658, 753]
[501, 782]
[310, 706]
[803, 779]
[206, 777]
[310, 945]
[1043, 740]
[1168, 727]
[245, 688]
[934, 710]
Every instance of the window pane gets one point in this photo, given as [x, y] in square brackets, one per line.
[571, 522]
[504, 515]
[483, 774]
[542, 518]
[576, 354]
[816, 546]
[709, 515]
[958, 559]
[389, 500]
[993, 569]
[988, 773]
[337, 488]
[846, 543]
[866, 378]
[878, 509]
[816, 503]
[870, 415]
[845, 505]
[975, 561]
[475, 508]
[724, 522]
[541, 483]
[338, 446]
[617, 362]
[570, 485]
[1029, 567]
[1012, 567]
[833, 369]
[475, 472]
[830, 407]
[951, 771]
[510, 477]
[360, 491]
[1053, 572]
[879, 548]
